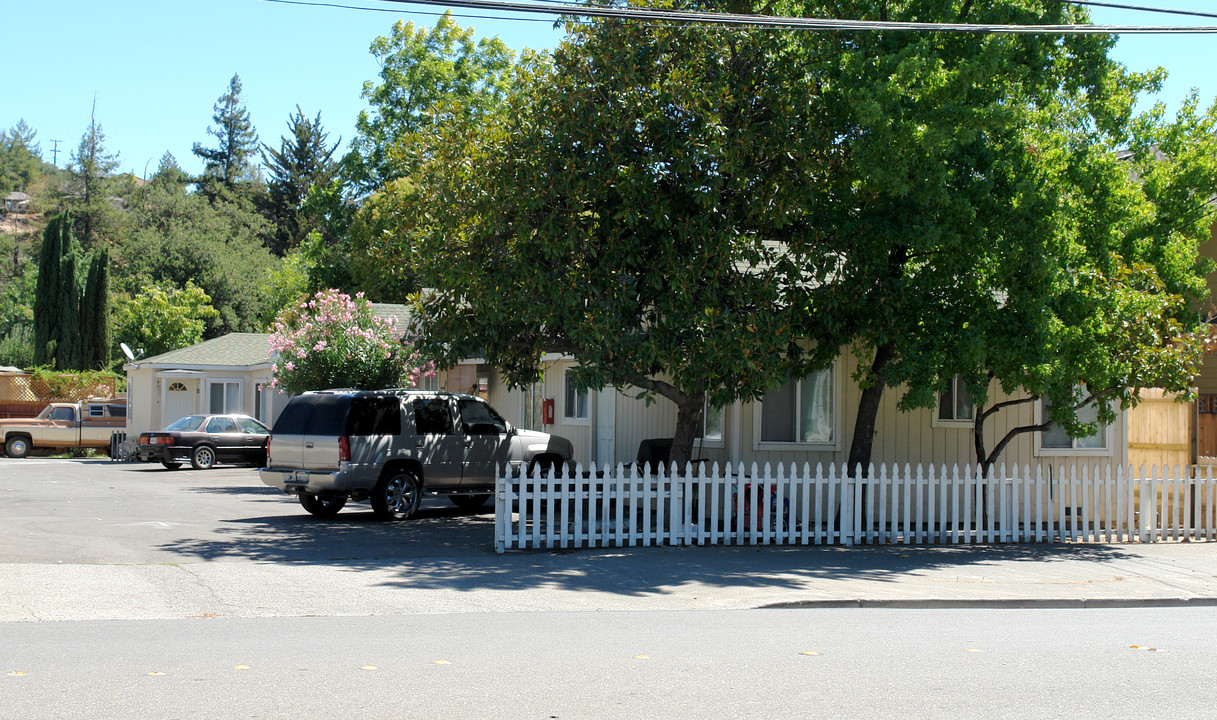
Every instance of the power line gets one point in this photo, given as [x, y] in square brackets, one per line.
[1141, 8]
[573, 10]
[768, 21]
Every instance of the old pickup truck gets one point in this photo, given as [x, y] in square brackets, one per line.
[85, 424]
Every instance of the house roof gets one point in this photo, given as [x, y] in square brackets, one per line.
[17, 196]
[399, 313]
[250, 349]
[232, 350]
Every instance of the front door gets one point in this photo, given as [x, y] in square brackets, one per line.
[180, 395]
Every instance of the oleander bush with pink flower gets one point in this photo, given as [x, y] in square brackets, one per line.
[336, 341]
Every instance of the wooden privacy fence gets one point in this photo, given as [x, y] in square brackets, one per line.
[623, 506]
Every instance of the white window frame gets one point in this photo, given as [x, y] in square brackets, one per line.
[719, 442]
[835, 445]
[574, 419]
[239, 382]
[956, 386]
[1074, 449]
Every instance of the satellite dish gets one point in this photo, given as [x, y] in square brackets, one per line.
[127, 351]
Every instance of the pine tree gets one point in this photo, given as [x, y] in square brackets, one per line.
[230, 162]
[91, 167]
[304, 159]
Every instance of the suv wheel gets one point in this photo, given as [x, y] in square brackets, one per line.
[325, 506]
[397, 495]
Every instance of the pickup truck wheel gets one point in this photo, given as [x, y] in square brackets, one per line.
[469, 502]
[17, 447]
[324, 506]
[397, 495]
[203, 457]
[171, 465]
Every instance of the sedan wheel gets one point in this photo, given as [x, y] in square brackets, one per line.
[203, 457]
[397, 495]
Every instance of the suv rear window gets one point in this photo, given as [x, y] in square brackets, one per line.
[375, 416]
[314, 415]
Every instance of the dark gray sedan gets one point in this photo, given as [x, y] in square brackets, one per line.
[204, 440]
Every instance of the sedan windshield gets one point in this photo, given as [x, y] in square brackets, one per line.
[190, 422]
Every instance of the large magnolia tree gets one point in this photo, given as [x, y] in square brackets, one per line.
[704, 213]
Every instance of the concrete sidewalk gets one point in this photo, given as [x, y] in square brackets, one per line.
[468, 580]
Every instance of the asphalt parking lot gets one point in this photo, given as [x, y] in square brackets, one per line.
[97, 511]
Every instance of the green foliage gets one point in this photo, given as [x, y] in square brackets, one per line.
[20, 158]
[334, 341]
[303, 159]
[290, 282]
[91, 184]
[57, 298]
[95, 313]
[161, 318]
[643, 206]
[177, 237]
[231, 161]
[17, 347]
[17, 300]
[51, 384]
[428, 77]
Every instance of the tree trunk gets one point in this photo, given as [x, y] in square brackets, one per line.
[688, 422]
[868, 411]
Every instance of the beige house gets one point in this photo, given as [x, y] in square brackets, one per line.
[812, 421]
[229, 374]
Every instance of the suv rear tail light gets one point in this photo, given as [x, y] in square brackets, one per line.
[344, 449]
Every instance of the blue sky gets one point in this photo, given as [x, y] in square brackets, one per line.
[156, 67]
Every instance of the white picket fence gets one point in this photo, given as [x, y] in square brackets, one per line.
[623, 507]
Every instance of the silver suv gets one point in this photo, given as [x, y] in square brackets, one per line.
[392, 446]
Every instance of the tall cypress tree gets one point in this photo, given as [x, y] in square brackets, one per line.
[69, 355]
[48, 292]
[58, 324]
[95, 313]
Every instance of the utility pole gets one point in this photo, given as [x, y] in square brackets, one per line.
[55, 153]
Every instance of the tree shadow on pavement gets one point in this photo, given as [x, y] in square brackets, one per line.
[444, 547]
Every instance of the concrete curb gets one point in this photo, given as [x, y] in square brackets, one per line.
[997, 603]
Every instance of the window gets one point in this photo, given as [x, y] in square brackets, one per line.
[251, 427]
[432, 416]
[221, 425]
[374, 416]
[711, 425]
[576, 400]
[955, 404]
[225, 397]
[63, 414]
[478, 418]
[177, 387]
[801, 411]
[1055, 437]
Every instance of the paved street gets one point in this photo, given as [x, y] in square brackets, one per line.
[130, 591]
